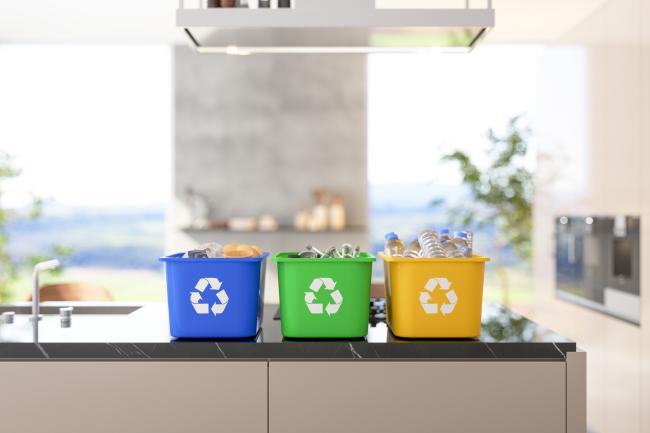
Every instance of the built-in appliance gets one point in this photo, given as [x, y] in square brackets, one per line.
[598, 263]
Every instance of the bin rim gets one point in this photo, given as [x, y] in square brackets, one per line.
[178, 258]
[473, 259]
[283, 257]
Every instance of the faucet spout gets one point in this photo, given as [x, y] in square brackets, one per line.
[36, 293]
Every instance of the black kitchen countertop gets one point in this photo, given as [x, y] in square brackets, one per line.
[144, 335]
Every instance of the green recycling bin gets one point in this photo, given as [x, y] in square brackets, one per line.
[324, 298]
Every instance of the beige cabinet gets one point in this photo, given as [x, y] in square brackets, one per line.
[142, 397]
[414, 397]
[293, 396]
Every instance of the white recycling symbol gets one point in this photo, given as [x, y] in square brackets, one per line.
[438, 284]
[202, 307]
[336, 298]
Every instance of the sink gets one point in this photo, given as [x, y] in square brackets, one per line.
[52, 307]
[91, 323]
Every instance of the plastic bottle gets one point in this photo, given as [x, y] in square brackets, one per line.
[444, 236]
[414, 250]
[450, 249]
[430, 244]
[394, 246]
[470, 242]
[462, 246]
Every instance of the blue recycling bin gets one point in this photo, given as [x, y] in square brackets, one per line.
[215, 298]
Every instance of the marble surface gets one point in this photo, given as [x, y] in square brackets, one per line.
[144, 335]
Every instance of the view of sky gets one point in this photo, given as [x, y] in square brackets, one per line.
[422, 106]
[90, 125]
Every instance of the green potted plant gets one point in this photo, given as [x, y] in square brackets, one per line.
[501, 194]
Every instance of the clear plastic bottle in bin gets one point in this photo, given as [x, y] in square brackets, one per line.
[461, 245]
[450, 249]
[394, 246]
[461, 242]
[444, 236]
[469, 236]
[414, 250]
[430, 243]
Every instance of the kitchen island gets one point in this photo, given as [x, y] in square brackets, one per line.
[124, 373]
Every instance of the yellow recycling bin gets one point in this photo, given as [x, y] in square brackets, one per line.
[434, 298]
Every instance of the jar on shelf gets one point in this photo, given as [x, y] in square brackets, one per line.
[337, 214]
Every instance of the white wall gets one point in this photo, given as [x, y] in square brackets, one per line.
[594, 159]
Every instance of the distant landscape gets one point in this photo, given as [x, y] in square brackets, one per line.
[120, 247]
[117, 248]
[133, 238]
[118, 238]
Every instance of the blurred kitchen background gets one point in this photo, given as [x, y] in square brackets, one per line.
[121, 146]
[151, 149]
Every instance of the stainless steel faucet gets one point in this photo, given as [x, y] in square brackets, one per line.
[36, 294]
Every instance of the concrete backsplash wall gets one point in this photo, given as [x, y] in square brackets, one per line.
[256, 134]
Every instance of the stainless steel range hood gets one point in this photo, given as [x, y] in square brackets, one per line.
[334, 26]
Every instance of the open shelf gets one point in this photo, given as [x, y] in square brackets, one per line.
[281, 231]
[284, 239]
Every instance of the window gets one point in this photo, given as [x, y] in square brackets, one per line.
[91, 128]
[422, 107]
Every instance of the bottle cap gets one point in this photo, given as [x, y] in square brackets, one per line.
[391, 235]
[444, 231]
[461, 235]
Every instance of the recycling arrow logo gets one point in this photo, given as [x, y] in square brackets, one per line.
[438, 284]
[327, 284]
[213, 285]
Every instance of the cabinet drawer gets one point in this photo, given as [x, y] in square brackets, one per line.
[450, 397]
[143, 397]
